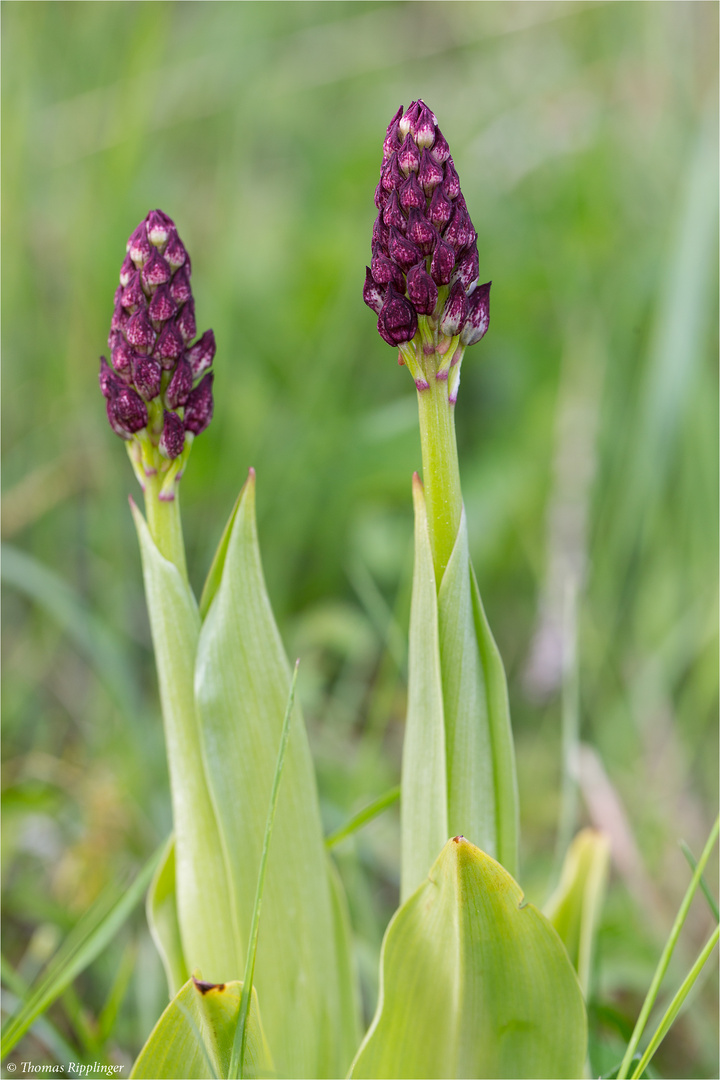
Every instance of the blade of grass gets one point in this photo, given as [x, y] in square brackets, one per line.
[237, 1058]
[692, 861]
[117, 992]
[667, 953]
[363, 816]
[94, 931]
[675, 1005]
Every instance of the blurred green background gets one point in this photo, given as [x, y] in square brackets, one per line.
[585, 136]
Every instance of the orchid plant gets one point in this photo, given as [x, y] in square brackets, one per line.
[245, 905]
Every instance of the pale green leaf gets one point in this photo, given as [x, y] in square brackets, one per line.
[575, 906]
[423, 806]
[162, 916]
[194, 1036]
[482, 799]
[212, 581]
[241, 683]
[203, 895]
[474, 983]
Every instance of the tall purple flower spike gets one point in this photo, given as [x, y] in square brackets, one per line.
[423, 278]
[155, 377]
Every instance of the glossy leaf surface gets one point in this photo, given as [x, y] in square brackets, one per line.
[474, 983]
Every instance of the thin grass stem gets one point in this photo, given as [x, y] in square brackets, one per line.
[666, 954]
[363, 816]
[692, 861]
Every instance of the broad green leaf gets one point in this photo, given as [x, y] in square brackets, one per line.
[241, 682]
[482, 798]
[162, 916]
[474, 983]
[194, 1036]
[203, 896]
[423, 806]
[212, 581]
[85, 942]
[574, 908]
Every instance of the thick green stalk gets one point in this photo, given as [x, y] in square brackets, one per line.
[164, 523]
[441, 473]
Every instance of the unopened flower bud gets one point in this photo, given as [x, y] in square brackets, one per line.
[126, 411]
[397, 321]
[133, 296]
[421, 290]
[180, 385]
[408, 156]
[162, 306]
[455, 311]
[140, 333]
[443, 261]
[199, 406]
[185, 321]
[156, 271]
[108, 380]
[138, 246]
[180, 288]
[478, 318]
[126, 271]
[202, 354]
[169, 347]
[373, 294]
[147, 376]
[467, 268]
[172, 439]
[159, 226]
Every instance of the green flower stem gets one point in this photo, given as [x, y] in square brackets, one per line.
[164, 523]
[441, 473]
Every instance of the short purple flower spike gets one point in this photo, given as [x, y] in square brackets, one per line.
[154, 383]
[423, 276]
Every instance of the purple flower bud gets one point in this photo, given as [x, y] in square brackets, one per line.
[147, 375]
[126, 411]
[411, 194]
[408, 156]
[424, 133]
[455, 312]
[409, 119]
[126, 271]
[155, 271]
[403, 251]
[199, 406]
[172, 439]
[443, 261]
[440, 208]
[422, 290]
[385, 271]
[478, 318]
[397, 321]
[170, 346]
[440, 151]
[451, 183]
[138, 246]
[390, 177]
[467, 268]
[140, 333]
[122, 356]
[180, 288]
[392, 214]
[380, 195]
[421, 232]
[133, 296]
[381, 233]
[430, 173]
[180, 385]
[120, 319]
[459, 231]
[175, 252]
[373, 294]
[159, 226]
[202, 354]
[392, 141]
[162, 305]
[185, 321]
[109, 382]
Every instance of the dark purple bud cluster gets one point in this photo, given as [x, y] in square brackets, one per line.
[424, 247]
[157, 379]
